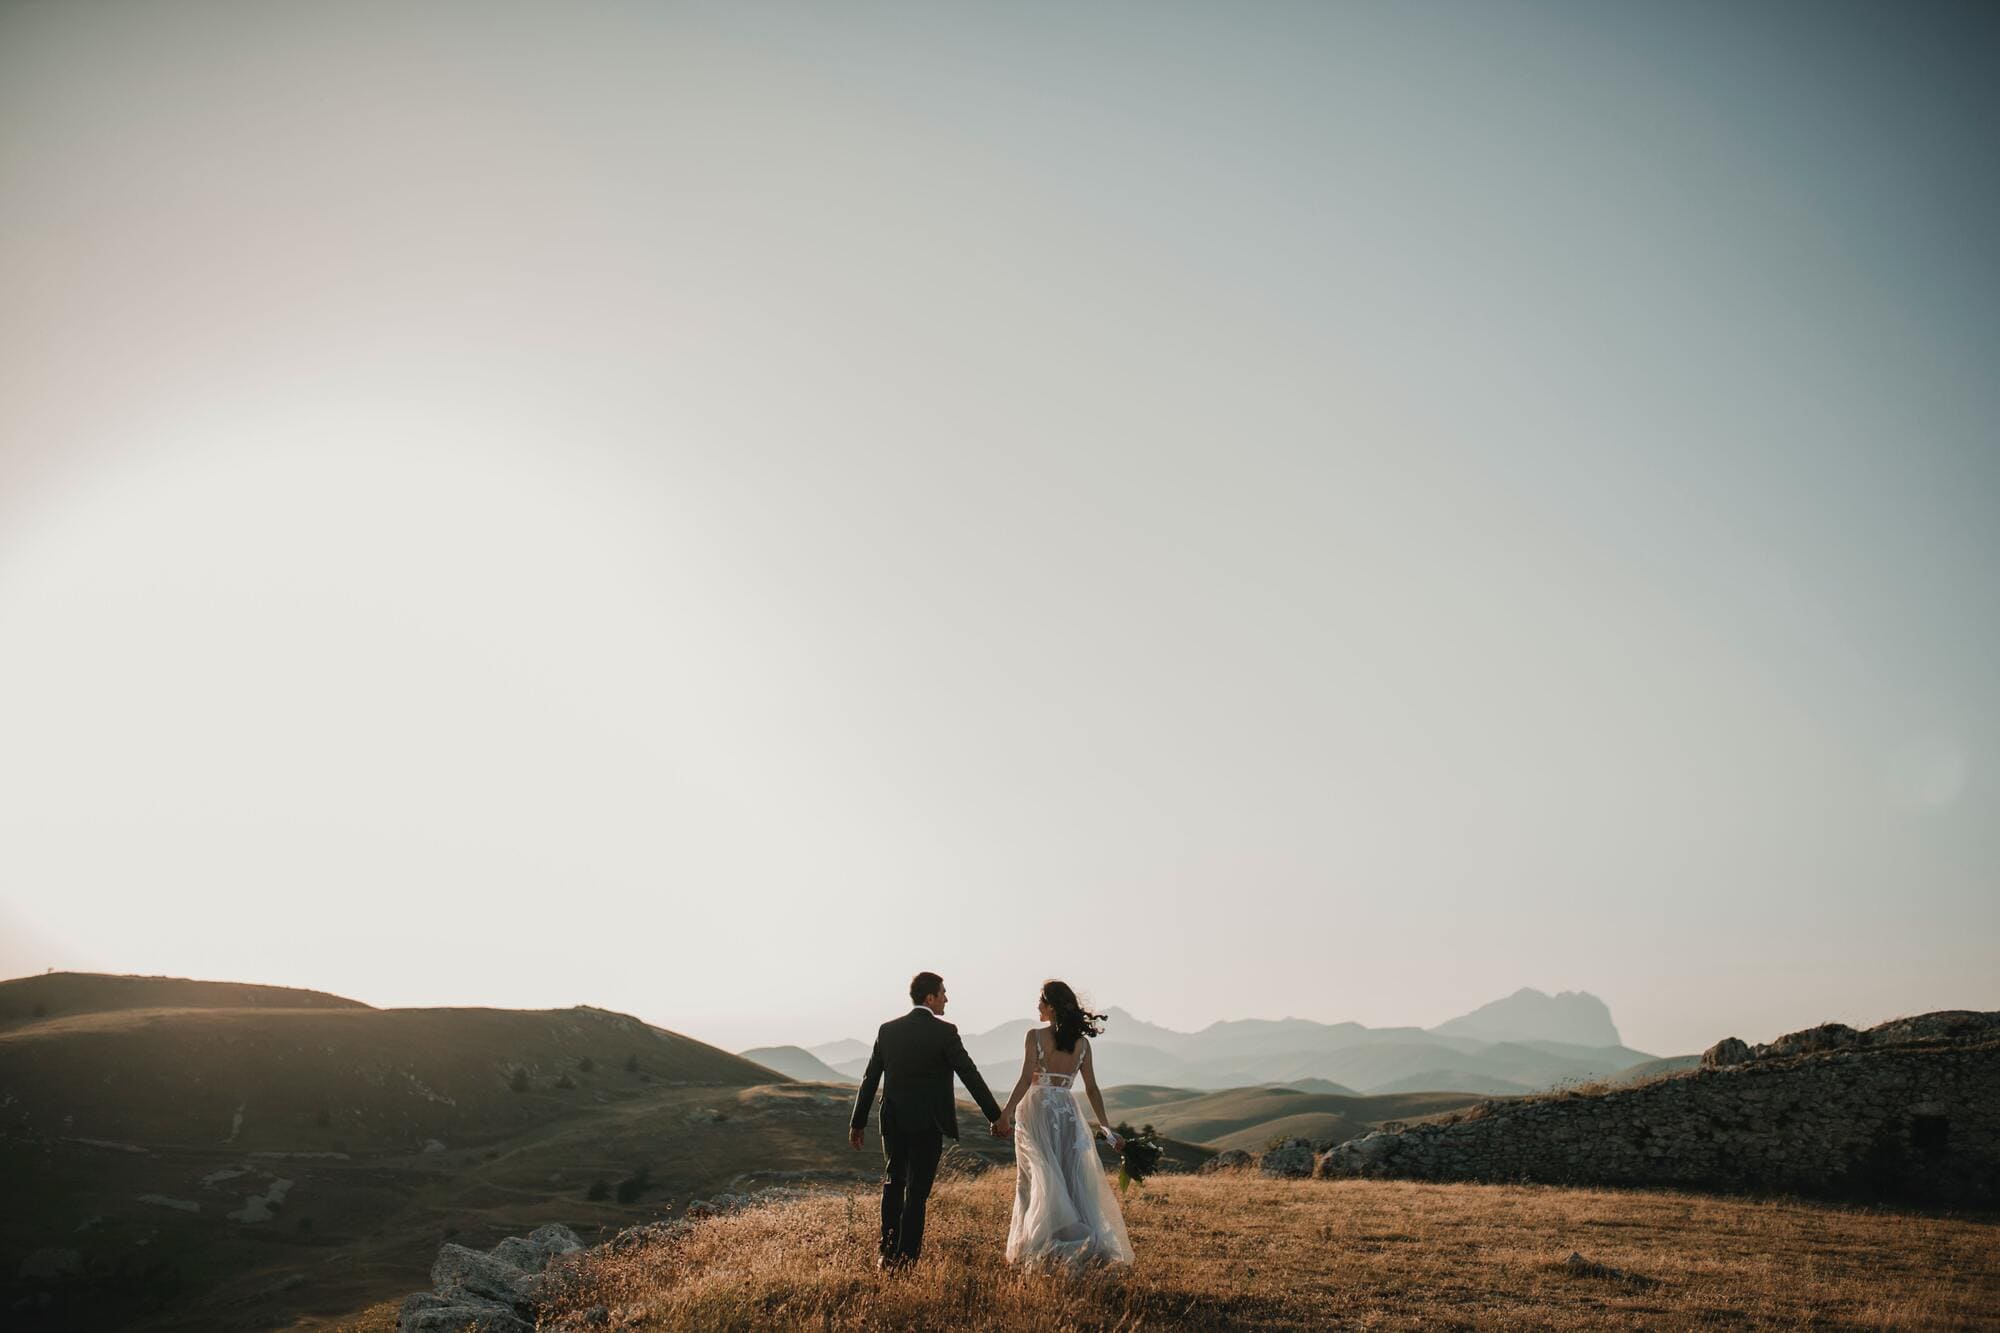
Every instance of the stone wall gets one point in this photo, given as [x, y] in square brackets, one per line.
[1909, 1111]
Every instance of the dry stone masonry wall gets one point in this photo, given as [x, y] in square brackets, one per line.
[1909, 1110]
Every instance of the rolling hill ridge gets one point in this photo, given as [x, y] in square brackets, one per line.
[1526, 1042]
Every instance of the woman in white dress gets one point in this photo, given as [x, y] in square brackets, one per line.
[1065, 1211]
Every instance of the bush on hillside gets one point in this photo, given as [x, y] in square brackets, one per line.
[634, 1185]
[565, 1082]
[519, 1082]
[41, 1011]
[585, 1065]
[631, 1064]
[599, 1189]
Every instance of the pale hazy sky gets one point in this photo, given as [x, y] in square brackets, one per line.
[1330, 509]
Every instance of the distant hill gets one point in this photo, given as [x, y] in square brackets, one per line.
[62, 994]
[841, 1052]
[1248, 1118]
[1576, 1017]
[1672, 1064]
[796, 1062]
[1431, 1080]
[1533, 1046]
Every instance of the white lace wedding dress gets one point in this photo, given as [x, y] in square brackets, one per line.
[1065, 1210]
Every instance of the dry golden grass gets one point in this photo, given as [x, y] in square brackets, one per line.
[1243, 1252]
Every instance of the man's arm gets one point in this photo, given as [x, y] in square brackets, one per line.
[968, 1074]
[864, 1096]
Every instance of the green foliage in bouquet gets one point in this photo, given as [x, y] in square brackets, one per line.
[1138, 1157]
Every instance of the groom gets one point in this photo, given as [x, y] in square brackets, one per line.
[918, 1053]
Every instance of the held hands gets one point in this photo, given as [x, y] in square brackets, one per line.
[1003, 1127]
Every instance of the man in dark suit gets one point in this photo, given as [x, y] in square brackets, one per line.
[914, 1059]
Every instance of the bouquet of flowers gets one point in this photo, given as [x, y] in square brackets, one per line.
[1138, 1153]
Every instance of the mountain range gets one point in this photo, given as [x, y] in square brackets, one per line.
[1527, 1042]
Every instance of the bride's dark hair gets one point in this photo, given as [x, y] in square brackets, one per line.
[1072, 1019]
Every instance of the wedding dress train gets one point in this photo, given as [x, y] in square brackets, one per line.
[1065, 1210]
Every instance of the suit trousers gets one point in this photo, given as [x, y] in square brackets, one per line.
[912, 1158]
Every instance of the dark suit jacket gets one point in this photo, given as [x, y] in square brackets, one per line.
[914, 1059]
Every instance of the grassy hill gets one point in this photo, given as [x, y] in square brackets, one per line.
[1248, 1118]
[65, 994]
[1238, 1251]
[213, 1164]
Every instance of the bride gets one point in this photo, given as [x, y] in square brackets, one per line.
[1064, 1209]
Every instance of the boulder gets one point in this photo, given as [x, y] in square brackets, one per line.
[1229, 1159]
[519, 1253]
[552, 1240]
[1293, 1157]
[462, 1272]
[426, 1312]
[1728, 1051]
[1356, 1157]
[1812, 1041]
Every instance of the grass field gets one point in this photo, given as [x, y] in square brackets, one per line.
[1235, 1251]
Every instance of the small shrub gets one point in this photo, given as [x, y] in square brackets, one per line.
[565, 1082]
[599, 1189]
[634, 1185]
[519, 1082]
[585, 1065]
[305, 1225]
[631, 1064]
[41, 1011]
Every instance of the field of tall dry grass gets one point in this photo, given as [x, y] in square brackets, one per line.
[1244, 1252]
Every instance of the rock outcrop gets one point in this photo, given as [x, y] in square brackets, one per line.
[1906, 1110]
[504, 1289]
[496, 1291]
[1293, 1157]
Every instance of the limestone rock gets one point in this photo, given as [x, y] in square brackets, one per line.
[1728, 1051]
[426, 1312]
[552, 1240]
[459, 1271]
[519, 1253]
[1357, 1157]
[1293, 1157]
[1811, 1041]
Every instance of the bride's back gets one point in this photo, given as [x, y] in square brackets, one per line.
[1063, 1064]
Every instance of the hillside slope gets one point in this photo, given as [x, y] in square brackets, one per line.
[221, 1168]
[311, 1079]
[1248, 1118]
[66, 994]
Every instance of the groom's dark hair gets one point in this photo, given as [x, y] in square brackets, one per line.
[924, 985]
